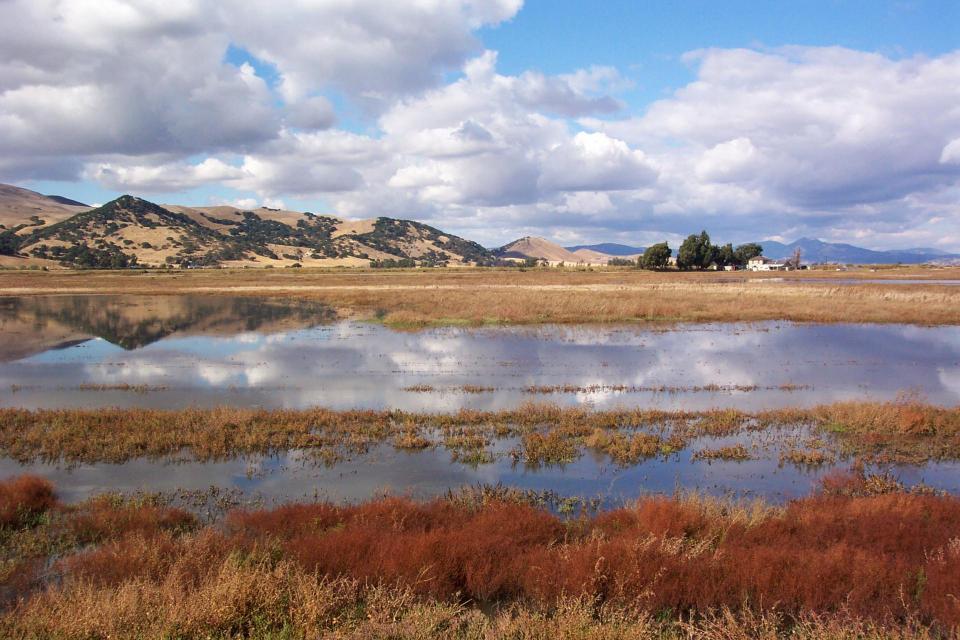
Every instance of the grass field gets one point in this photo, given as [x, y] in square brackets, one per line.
[416, 298]
[852, 561]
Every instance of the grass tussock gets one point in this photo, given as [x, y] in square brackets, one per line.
[806, 457]
[735, 453]
[905, 431]
[835, 564]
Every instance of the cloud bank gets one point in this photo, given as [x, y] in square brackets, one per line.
[145, 97]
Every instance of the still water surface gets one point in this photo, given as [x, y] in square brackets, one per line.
[89, 351]
[98, 351]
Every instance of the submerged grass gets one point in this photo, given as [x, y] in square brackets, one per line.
[862, 559]
[905, 431]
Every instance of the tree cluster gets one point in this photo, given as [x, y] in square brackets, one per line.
[697, 252]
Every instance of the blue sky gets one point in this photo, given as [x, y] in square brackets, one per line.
[494, 118]
[647, 39]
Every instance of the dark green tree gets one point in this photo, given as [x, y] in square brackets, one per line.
[726, 255]
[696, 252]
[744, 252]
[9, 243]
[656, 256]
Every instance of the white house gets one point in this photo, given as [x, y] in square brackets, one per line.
[763, 263]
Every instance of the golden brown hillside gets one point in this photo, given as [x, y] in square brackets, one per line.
[29, 210]
[541, 248]
[131, 232]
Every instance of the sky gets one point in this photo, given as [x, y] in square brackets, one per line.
[582, 122]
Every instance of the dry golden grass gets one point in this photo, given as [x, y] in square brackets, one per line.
[284, 603]
[418, 298]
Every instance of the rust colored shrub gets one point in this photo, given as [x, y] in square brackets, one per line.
[23, 498]
[158, 556]
[657, 515]
[437, 548]
[284, 521]
[107, 518]
[888, 558]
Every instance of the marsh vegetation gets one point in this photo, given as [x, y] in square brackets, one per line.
[906, 432]
[860, 558]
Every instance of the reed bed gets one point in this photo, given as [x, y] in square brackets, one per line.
[861, 559]
[905, 431]
[475, 297]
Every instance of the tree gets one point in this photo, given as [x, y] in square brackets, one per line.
[794, 260]
[726, 255]
[696, 252]
[745, 252]
[9, 243]
[656, 256]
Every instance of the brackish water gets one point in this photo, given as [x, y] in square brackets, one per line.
[168, 352]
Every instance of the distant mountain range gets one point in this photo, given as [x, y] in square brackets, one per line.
[610, 249]
[813, 250]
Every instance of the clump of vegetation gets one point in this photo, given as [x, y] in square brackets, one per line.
[411, 440]
[626, 449]
[23, 499]
[549, 448]
[393, 263]
[736, 453]
[806, 457]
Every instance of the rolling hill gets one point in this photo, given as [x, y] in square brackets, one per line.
[131, 231]
[28, 209]
[541, 248]
[535, 247]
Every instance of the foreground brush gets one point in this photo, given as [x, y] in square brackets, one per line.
[861, 558]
